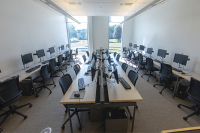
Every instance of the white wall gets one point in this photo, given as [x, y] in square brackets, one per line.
[127, 33]
[173, 25]
[26, 26]
[100, 29]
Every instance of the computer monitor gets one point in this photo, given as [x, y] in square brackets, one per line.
[115, 73]
[51, 50]
[135, 46]
[92, 55]
[62, 47]
[130, 44]
[141, 47]
[149, 50]
[40, 53]
[162, 53]
[93, 69]
[26, 58]
[109, 60]
[180, 59]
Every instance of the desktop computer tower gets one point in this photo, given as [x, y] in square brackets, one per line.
[182, 89]
[26, 87]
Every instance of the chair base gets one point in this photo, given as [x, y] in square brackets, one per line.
[165, 86]
[12, 110]
[150, 75]
[194, 108]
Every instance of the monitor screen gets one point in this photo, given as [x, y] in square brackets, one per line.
[135, 46]
[141, 47]
[51, 50]
[149, 50]
[93, 69]
[115, 73]
[62, 47]
[40, 53]
[162, 53]
[181, 59]
[130, 45]
[27, 58]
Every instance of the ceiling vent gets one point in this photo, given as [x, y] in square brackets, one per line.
[126, 4]
[75, 3]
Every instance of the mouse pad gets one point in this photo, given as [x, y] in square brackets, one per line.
[82, 94]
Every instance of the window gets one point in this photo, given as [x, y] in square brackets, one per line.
[78, 34]
[115, 33]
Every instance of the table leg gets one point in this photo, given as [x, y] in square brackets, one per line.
[70, 121]
[133, 117]
[176, 87]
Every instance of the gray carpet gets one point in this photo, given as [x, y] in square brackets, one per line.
[155, 113]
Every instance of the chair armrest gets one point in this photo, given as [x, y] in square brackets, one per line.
[1, 100]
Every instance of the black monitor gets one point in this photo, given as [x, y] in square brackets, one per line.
[26, 58]
[149, 50]
[130, 44]
[162, 53]
[40, 53]
[181, 59]
[109, 60]
[135, 46]
[115, 73]
[51, 50]
[92, 55]
[141, 47]
[62, 47]
[93, 69]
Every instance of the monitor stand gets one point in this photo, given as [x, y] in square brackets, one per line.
[162, 59]
[25, 66]
[179, 66]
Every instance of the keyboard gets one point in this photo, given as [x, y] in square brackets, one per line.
[109, 68]
[81, 84]
[32, 69]
[124, 83]
[157, 61]
[175, 69]
[44, 62]
[89, 68]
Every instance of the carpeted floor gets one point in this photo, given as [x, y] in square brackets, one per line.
[155, 113]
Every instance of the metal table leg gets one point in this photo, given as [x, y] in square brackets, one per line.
[133, 117]
[70, 121]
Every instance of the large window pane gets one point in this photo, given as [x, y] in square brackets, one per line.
[78, 34]
[115, 33]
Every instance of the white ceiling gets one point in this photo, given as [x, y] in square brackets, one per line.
[101, 7]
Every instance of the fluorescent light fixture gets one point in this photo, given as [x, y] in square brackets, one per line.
[152, 4]
[57, 8]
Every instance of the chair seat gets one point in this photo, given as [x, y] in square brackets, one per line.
[154, 69]
[37, 79]
[143, 63]
[173, 78]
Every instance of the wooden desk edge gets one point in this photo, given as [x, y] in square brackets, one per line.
[181, 129]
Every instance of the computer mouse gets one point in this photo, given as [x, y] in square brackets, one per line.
[182, 73]
[77, 95]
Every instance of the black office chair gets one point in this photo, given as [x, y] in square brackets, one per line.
[61, 64]
[166, 76]
[76, 68]
[84, 58]
[67, 58]
[44, 75]
[194, 96]
[71, 56]
[75, 54]
[141, 63]
[150, 68]
[117, 58]
[53, 68]
[65, 82]
[124, 51]
[87, 53]
[124, 66]
[114, 54]
[10, 92]
[128, 57]
[134, 58]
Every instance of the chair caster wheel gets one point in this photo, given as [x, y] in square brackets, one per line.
[131, 118]
[160, 92]
[88, 112]
[80, 128]
[25, 116]
[50, 92]
[185, 118]
[147, 80]
[1, 129]
[63, 127]
[178, 105]
[30, 105]
[37, 96]
[54, 85]
[141, 76]
[157, 80]
[153, 85]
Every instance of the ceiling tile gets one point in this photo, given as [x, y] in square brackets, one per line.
[100, 13]
[100, 7]
[91, 13]
[89, 6]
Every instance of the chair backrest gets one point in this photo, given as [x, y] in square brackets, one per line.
[124, 66]
[9, 89]
[118, 56]
[77, 50]
[67, 54]
[84, 58]
[149, 63]
[140, 58]
[124, 49]
[194, 90]
[52, 64]
[165, 70]
[65, 82]
[114, 54]
[76, 68]
[44, 72]
[133, 76]
[60, 59]
[87, 53]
